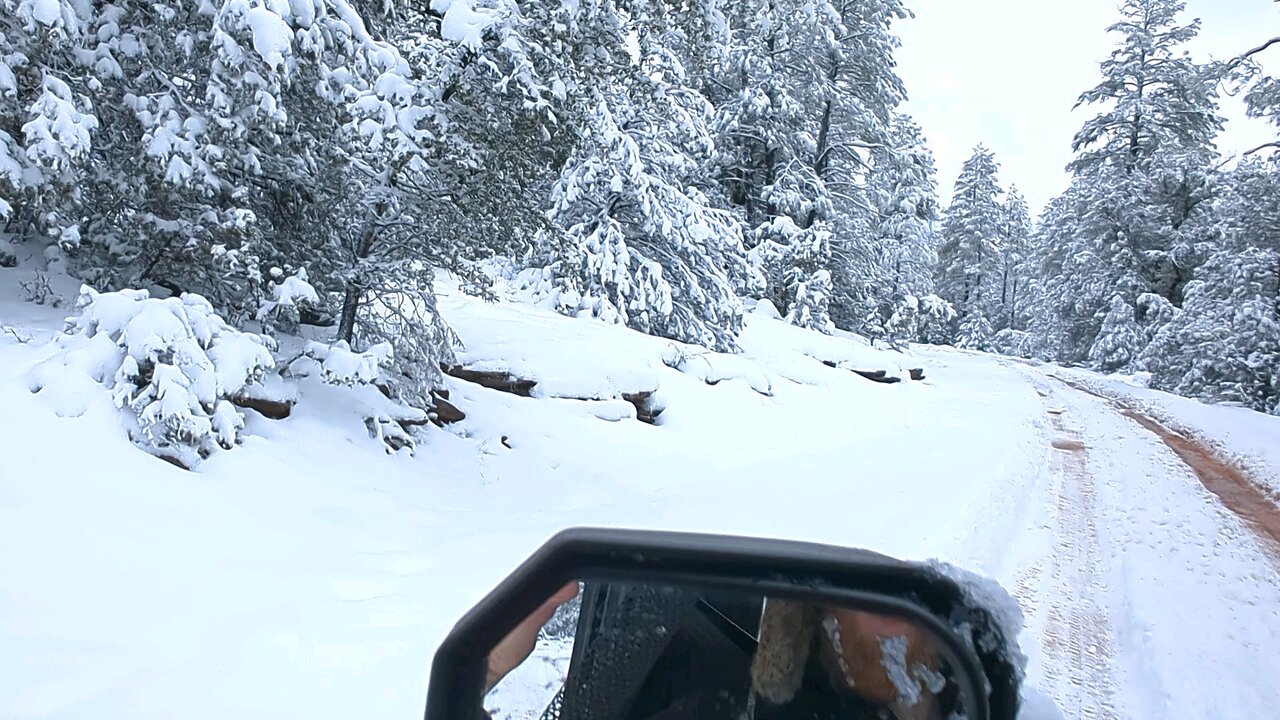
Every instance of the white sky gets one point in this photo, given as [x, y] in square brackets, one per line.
[1007, 72]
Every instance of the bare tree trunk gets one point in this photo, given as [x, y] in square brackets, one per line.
[347, 321]
[1013, 305]
[354, 293]
[822, 155]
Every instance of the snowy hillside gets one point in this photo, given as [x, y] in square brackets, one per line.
[309, 573]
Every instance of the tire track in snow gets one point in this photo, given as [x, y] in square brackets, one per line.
[1189, 597]
[1228, 483]
[1076, 636]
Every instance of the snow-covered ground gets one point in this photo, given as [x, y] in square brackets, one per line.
[309, 574]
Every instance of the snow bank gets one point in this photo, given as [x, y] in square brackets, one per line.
[172, 364]
[764, 337]
[571, 359]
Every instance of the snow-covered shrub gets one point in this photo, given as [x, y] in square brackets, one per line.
[173, 364]
[792, 262]
[1015, 343]
[361, 372]
[38, 290]
[934, 320]
[289, 293]
[390, 432]
[975, 333]
[1120, 340]
[901, 326]
[812, 303]
[339, 365]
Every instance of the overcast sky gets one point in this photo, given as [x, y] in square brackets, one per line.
[1007, 73]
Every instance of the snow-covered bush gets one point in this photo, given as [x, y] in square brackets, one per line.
[339, 365]
[362, 375]
[289, 293]
[901, 326]
[975, 333]
[1120, 341]
[792, 261]
[173, 364]
[1015, 343]
[934, 320]
[812, 303]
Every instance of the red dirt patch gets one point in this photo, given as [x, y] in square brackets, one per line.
[1227, 482]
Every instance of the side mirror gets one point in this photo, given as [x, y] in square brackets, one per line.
[633, 625]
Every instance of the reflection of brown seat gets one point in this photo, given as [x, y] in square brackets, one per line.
[888, 662]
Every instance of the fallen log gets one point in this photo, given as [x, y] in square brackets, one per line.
[879, 376]
[271, 409]
[647, 410]
[494, 380]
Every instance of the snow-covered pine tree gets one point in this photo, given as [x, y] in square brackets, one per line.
[857, 124]
[810, 308]
[1015, 239]
[641, 244]
[185, 109]
[762, 121]
[765, 127]
[1119, 341]
[1137, 218]
[1064, 270]
[1224, 344]
[970, 267]
[903, 188]
[193, 147]
[1156, 98]
[935, 320]
[807, 90]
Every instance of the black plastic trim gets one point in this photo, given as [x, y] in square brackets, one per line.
[776, 567]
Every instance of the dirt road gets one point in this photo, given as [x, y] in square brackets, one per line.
[1161, 554]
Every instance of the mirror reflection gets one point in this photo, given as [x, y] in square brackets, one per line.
[610, 651]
